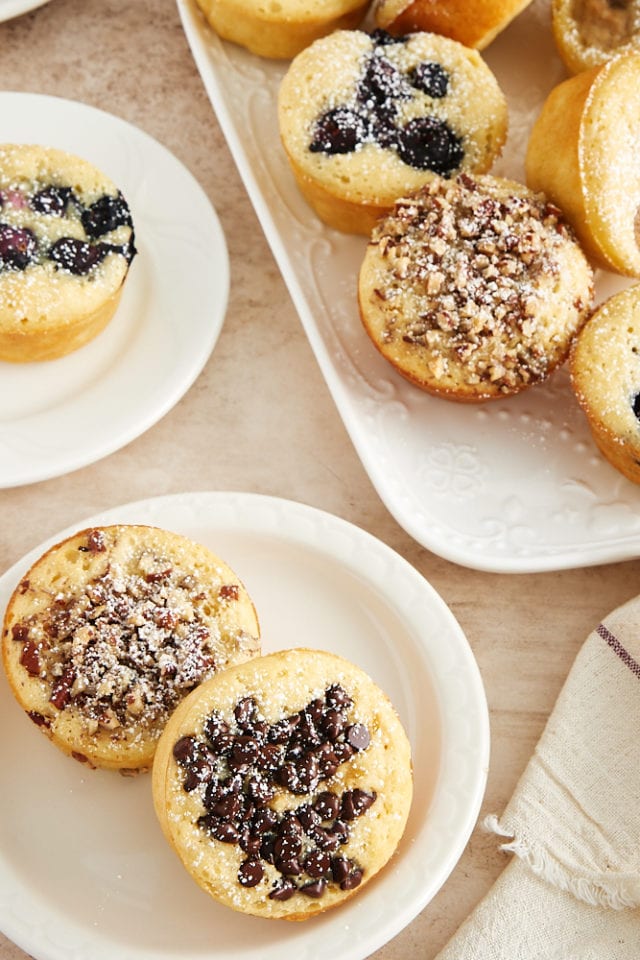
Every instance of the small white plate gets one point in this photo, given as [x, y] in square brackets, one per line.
[15, 8]
[84, 869]
[512, 486]
[63, 414]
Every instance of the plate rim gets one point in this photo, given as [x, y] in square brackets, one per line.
[244, 511]
[195, 356]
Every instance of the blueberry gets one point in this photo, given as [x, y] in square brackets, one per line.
[17, 247]
[635, 405]
[77, 256]
[381, 85]
[431, 78]
[381, 38]
[52, 200]
[106, 214]
[340, 130]
[427, 143]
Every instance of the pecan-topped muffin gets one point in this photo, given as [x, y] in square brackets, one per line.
[474, 288]
[284, 784]
[111, 628]
[66, 245]
[364, 118]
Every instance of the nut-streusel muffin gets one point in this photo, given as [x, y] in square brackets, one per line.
[472, 23]
[605, 374]
[474, 288]
[364, 118]
[593, 171]
[66, 244]
[284, 784]
[111, 628]
[589, 32]
[280, 30]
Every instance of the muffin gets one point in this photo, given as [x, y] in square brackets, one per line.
[284, 784]
[472, 23]
[592, 172]
[111, 628]
[280, 30]
[365, 118]
[605, 375]
[590, 32]
[66, 245]
[474, 288]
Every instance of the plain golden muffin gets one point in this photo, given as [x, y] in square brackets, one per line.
[593, 171]
[365, 118]
[284, 784]
[474, 288]
[110, 629]
[66, 245]
[605, 374]
[589, 32]
[279, 30]
[472, 23]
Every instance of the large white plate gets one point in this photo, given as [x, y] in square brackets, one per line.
[511, 486]
[15, 8]
[63, 414]
[84, 869]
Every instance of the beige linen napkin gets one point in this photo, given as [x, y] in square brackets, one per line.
[572, 889]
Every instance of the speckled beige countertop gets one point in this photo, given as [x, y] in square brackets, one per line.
[260, 418]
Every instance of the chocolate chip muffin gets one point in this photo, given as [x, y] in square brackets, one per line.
[66, 245]
[110, 629]
[590, 32]
[472, 23]
[284, 784]
[593, 121]
[365, 118]
[474, 288]
[605, 374]
[280, 30]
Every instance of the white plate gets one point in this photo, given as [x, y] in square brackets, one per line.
[15, 8]
[63, 414]
[511, 486]
[84, 870]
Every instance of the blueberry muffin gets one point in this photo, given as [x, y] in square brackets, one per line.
[284, 784]
[593, 121]
[474, 288]
[365, 118]
[590, 32]
[605, 374]
[472, 23]
[111, 628]
[66, 245]
[280, 30]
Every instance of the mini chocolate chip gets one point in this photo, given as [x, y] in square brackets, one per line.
[245, 751]
[264, 820]
[315, 889]
[340, 868]
[636, 405]
[245, 710]
[358, 736]
[317, 864]
[352, 881]
[308, 817]
[280, 732]
[250, 873]
[250, 843]
[228, 807]
[259, 789]
[327, 805]
[283, 890]
[267, 848]
[184, 749]
[337, 696]
[356, 802]
[215, 725]
[340, 830]
[334, 723]
[225, 832]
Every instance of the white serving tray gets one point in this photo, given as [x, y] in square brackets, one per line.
[514, 486]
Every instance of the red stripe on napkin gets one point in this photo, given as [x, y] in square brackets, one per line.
[617, 648]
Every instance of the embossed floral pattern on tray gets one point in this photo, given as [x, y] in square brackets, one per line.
[512, 486]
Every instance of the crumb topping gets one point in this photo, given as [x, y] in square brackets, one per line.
[477, 267]
[129, 645]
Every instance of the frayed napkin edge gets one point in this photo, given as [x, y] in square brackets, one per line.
[617, 891]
